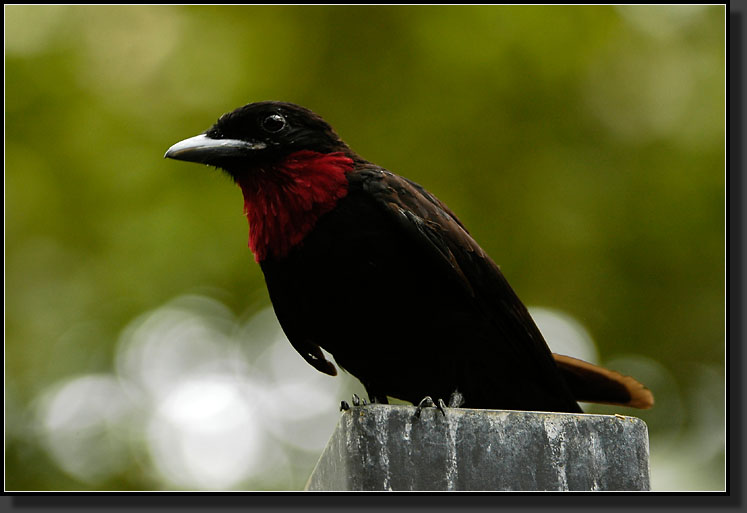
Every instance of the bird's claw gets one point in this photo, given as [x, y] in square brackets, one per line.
[456, 399]
[357, 401]
[428, 402]
[442, 407]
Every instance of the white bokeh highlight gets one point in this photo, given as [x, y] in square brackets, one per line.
[206, 401]
[205, 434]
[83, 424]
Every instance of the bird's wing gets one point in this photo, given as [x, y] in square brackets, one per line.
[308, 349]
[286, 311]
[440, 237]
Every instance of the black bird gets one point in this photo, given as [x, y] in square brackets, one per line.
[381, 274]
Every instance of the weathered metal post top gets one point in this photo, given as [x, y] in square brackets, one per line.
[386, 447]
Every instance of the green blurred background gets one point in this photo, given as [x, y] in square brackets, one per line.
[584, 148]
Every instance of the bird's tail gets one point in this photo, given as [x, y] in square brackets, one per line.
[593, 384]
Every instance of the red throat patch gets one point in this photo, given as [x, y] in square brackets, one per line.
[283, 203]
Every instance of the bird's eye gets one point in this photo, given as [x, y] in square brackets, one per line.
[273, 123]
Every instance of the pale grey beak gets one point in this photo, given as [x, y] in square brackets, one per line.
[204, 150]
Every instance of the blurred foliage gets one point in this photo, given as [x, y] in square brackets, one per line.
[582, 146]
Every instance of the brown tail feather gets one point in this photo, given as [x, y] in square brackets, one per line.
[594, 384]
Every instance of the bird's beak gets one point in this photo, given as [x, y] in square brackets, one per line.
[204, 150]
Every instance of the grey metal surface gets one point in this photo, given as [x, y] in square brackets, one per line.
[386, 447]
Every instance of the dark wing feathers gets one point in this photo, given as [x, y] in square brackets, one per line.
[286, 310]
[430, 236]
[313, 354]
[442, 236]
[442, 210]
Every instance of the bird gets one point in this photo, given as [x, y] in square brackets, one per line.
[370, 267]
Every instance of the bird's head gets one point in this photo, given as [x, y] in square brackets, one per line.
[259, 136]
[290, 164]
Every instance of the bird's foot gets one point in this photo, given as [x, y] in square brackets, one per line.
[456, 399]
[357, 401]
[428, 402]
